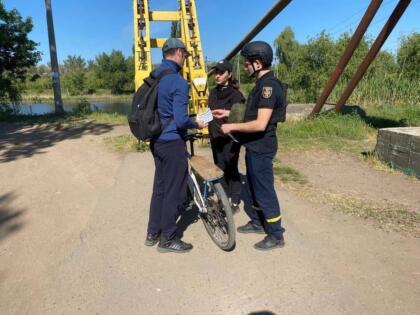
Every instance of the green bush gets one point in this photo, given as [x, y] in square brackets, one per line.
[83, 107]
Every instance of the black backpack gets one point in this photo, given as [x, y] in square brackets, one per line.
[281, 114]
[283, 110]
[144, 118]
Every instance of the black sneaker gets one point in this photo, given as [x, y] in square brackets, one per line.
[269, 242]
[151, 239]
[251, 228]
[174, 245]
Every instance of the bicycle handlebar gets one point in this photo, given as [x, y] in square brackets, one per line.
[194, 136]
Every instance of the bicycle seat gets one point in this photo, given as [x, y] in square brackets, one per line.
[206, 169]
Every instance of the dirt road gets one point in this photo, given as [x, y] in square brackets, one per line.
[72, 224]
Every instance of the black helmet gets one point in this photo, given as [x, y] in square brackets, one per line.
[258, 50]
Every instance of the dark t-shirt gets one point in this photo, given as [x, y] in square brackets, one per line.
[222, 97]
[267, 93]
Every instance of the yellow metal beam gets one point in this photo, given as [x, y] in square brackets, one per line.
[157, 42]
[142, 49]
[194, 70]
[164, 16]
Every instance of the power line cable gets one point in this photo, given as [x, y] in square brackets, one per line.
[353, 24]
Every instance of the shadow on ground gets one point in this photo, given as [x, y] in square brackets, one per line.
[21, 141]
[187, 218]
[10, 219]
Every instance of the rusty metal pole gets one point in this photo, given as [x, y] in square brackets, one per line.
[274, 11]
[380, 40]
[347, 54]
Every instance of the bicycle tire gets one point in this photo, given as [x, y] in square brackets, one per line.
[222, 213]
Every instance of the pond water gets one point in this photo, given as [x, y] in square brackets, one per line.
[46, 108]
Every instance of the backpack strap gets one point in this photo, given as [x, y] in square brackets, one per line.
[157, 78]
[153, 77]
[162, 74]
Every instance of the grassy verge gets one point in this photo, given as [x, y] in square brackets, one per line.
[126, 143]
[327, 131]
[99, 117]
[352, 133]
[288, 174]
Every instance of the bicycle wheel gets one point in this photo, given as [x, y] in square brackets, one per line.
[218, 220]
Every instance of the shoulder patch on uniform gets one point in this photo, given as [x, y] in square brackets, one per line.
[267, 91]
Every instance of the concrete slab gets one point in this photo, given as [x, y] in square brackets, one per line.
[401, 148]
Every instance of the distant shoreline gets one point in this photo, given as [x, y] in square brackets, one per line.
[49, 98]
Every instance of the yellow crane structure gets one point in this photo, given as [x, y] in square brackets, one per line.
[194, 70]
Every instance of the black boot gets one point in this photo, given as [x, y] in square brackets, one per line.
[151, 239]
[251, 228]
[174, 245]
[270, 242]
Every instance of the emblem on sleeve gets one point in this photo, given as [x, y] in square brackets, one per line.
[267, 91]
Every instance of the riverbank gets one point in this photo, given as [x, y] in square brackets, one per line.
[49, 98]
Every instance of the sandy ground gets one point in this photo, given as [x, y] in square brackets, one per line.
[73, 215]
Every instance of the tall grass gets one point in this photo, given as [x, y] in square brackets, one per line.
[387, 89]
[328, 131]
[345, 132]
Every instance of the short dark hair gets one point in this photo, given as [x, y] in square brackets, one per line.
[170, 52]
[234, 83]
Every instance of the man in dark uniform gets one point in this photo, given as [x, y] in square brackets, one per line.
[169, 151]
[265, 108]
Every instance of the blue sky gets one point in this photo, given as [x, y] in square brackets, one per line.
[89, 27]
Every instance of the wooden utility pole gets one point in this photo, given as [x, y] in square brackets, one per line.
[55, 74]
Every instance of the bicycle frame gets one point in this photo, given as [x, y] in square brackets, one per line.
[201, 199]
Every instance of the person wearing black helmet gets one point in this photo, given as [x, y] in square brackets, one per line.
[225, 150]
[264, 109]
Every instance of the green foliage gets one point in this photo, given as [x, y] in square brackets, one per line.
[329, 130]
[17, 53]
[83, 108]
[408, 56]
[112, 71]
[348, 132]
[126, 143]
[307, 67]
[288, 174]
[74, 75]
[402, 116]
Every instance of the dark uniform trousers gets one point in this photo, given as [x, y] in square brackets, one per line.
[169, 187]
[266, 207]
[226, 156]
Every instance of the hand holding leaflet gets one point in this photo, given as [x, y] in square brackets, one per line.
[205, 117]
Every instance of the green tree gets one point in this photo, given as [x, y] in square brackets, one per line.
[38, 79]
[112, 71]
[408, 56]
[74, 75]
[17, 53]
[93, 83]
[129, 86]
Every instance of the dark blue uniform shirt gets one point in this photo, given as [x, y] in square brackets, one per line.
[173, 101]
[267, 93]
